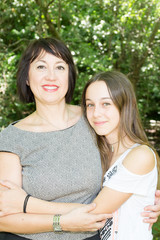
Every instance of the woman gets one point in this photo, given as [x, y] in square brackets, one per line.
[47, 158]
[49, 152]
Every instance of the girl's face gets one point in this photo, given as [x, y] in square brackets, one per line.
[102, 113]
[48, 78]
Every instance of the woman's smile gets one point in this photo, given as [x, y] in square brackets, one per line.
[50, 88]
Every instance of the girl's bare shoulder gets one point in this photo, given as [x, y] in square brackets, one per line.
[140, 160]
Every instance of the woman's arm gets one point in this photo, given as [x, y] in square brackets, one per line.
[11, 191]
[12, 199]
[26, 223]
[11, 202]
[78, 220]
[152, 212]
[40, 206]
[10, 169]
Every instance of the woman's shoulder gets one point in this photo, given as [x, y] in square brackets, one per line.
[140, 160]
[26, 123]
[75, 113]
[75, 110]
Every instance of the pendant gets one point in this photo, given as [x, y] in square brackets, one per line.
[112, 148]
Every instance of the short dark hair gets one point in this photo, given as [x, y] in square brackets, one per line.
[54, 47]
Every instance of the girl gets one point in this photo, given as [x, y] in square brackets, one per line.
[128, 160]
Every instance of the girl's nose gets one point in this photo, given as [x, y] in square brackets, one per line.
[96, 112]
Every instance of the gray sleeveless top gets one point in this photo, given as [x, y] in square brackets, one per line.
[60, 166]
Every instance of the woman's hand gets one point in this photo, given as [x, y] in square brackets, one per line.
[81, 220]
[11, 198]
[152, 212]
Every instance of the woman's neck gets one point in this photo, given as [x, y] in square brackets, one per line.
[53, 117]
[50, 118]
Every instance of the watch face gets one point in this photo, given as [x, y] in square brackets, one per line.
[58, 229]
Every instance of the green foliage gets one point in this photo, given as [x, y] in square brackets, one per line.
[156, 230]
[102, 35]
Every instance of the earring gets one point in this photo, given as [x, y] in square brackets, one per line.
[27, 82]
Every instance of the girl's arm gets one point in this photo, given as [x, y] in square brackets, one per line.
[139, 161]
[113, 198]
[12, 199]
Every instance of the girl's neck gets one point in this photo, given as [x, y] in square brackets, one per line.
[120, 148]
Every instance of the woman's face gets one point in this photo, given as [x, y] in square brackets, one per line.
[48, 78]
[101, 112]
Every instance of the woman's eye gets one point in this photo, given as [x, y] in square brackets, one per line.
[41, 67]
[60, 68]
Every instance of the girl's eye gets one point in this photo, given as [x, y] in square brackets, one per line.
[89, 105]
[106, 104]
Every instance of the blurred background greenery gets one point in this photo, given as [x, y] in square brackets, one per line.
[101, 34]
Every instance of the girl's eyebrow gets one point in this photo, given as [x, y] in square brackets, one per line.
[103, 98]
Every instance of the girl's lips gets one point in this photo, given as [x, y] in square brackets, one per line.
[99, 123]
[50, 88]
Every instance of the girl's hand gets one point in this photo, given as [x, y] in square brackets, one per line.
[152, 212]
[81, 220]
[11, 198]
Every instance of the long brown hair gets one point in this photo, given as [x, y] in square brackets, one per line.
[123, 96]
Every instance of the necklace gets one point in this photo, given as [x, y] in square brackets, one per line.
[112, 147]
[51, 124]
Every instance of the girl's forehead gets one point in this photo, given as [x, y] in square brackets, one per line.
[97, 89]
[98, 86]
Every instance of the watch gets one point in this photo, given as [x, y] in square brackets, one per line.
[56, 223]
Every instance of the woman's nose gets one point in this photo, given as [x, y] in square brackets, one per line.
[51, 76]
